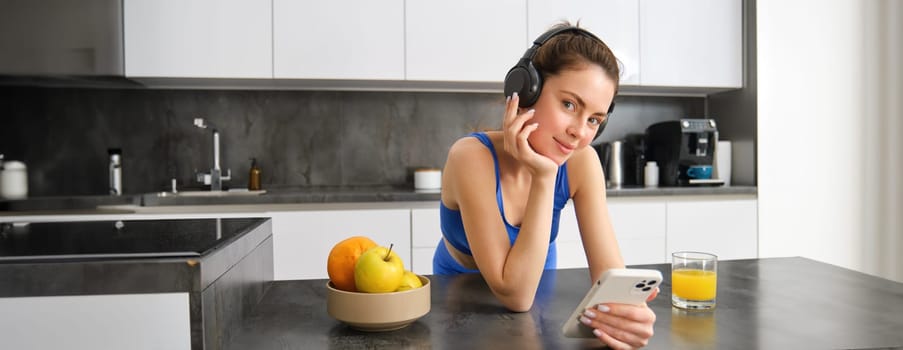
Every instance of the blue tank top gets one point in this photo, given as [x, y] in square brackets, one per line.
[452, 225]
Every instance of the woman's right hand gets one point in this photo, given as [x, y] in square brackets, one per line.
[516, 131]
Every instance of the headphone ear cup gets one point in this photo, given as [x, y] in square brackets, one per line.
[516, 81]
[526, 81]
[530, 95]
[601, 127]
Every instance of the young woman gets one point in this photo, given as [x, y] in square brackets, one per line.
[502, 191]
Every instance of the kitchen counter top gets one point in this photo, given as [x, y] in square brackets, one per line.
[292, 195]
[777, 303]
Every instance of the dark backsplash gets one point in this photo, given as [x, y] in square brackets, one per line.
[300, 138]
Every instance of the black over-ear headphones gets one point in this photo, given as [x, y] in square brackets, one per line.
[526, 80]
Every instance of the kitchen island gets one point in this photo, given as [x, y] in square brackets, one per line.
[130, 284]
[777, 303]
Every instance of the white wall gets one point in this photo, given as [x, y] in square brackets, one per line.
[828, 82]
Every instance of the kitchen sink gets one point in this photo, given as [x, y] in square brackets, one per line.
[230, 193]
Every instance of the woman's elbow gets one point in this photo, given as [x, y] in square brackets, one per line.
[521, 303]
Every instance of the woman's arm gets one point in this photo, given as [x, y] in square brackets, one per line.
[617, 325]
[588, 191]
[511, 271]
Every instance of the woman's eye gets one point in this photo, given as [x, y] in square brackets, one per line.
[569, 105]
[594, 121]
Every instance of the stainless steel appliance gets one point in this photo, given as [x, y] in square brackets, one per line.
[623, 161]
[684, 150]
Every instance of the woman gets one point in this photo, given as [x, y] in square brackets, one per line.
[502, 191]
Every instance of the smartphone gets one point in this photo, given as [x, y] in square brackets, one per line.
[621, 286]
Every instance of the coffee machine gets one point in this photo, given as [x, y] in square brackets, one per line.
[684, 150]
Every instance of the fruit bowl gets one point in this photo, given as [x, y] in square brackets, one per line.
[378, 312]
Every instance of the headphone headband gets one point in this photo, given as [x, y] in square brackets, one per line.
[549, 34]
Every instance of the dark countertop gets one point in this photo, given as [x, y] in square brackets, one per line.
[72, 204]
[778, 303]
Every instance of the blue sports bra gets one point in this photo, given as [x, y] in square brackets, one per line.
[453, 227]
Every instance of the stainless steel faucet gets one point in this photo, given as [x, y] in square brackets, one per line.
[215, 177]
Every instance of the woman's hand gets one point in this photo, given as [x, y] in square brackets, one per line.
[516, 132]
[621, 326]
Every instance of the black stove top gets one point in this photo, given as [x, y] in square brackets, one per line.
[118, 239]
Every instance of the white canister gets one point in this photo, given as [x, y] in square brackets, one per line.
[13, 180]
[650, 174]
[427, 179]
[723, 161]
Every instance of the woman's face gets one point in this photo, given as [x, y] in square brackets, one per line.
[570, 109]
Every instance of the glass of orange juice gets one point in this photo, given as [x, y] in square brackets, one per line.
[694, 280]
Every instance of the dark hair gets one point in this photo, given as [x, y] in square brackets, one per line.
[570, 49]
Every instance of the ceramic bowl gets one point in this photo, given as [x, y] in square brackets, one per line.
[377, 312]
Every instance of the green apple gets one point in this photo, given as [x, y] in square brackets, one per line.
[409, 281]
[378, 270]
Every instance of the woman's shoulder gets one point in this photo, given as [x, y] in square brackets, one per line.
[469, 167]
[584, 159]
[584, 166]
[470, 147]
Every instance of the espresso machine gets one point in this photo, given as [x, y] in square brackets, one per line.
[684, 150]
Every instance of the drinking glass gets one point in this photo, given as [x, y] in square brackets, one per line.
[694, 280]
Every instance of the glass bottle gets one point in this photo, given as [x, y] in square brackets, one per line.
[254, 176]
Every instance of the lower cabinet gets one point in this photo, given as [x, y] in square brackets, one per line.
[425, 237]
[648, 229]
[302, 239]
[117, 321]
[639, 228]
[726, 228]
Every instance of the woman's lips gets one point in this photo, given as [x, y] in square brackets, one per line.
[565, 148]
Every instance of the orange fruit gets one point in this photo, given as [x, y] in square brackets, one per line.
[342, 258]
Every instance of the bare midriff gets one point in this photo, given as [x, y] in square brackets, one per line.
[465, 260]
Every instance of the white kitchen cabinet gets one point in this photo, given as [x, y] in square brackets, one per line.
[342, 39]
[425, 237]
[198, 38]
[570, 246]
[468, 40]
[121, 321]
[302, 239]
[727, 228]
[616, 22]
[639, 228]
[691, 43]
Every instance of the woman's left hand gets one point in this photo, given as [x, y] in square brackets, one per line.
[621, 326]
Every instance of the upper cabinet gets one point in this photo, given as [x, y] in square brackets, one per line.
[61, 37]
[198, 38]
[695, 43]
[340, 39]
[616, 22]
[663, 45]
[467, 40]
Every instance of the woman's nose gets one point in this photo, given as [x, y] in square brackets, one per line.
[579, 130]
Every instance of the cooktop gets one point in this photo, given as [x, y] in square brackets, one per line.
[21, 242]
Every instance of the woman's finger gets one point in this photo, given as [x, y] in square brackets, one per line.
[511, 109]
[524, 135]
[609, 340]
[625, 336]
[515, 131]
[653, 295]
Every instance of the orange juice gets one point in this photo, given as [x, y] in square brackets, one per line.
[693, 284]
